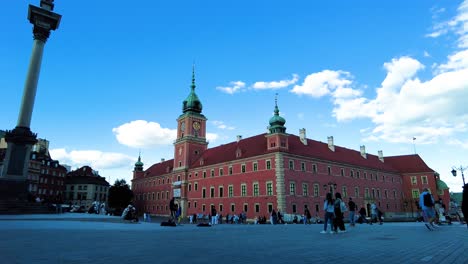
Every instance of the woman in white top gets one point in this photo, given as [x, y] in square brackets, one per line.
[329, 209]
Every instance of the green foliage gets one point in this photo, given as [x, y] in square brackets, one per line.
[120, 195]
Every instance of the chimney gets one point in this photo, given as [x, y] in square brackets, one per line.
[162, 160]
[302, 136]
[239, 137]
[363, 152]
[331, 145]
[381, 155]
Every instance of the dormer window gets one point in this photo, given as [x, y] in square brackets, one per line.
[238, 153]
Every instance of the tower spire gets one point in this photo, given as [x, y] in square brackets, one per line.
[193, 77]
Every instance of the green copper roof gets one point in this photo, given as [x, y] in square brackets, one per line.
[441, 185]
[139, 163]
[276, 121]
[192, 103]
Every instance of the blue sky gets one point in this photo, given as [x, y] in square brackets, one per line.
[115, 73]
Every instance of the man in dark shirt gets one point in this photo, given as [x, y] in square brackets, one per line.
[352, 211]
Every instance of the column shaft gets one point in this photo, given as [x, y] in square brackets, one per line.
[30, 87]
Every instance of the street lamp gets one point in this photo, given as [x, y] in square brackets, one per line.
[331, 187]
[461, 169]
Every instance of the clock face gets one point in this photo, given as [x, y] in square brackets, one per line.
[196, 125]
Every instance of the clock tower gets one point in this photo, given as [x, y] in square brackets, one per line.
[191, 131]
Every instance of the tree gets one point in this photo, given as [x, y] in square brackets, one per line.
[120, 196]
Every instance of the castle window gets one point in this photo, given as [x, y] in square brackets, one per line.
[342, 172]
[356, 192]
[292, 188]
[424, 179]
[230, 191]
[243, 168]
[255, 189]
[255, 166]
[291, 164]
[268, 164]
[221, 191]
[303, 166]
[212, 192]
[314, 168]
[414, 180]
[212, 173]
[316, 190]
[221, 172]
[196, 186]
[257, 208]
[305, 189]
[269, 187]
[243, 190]
[203, 193]
[329, 170]
[230, 170]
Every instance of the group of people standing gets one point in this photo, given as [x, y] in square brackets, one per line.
[334, 209]
[334, 214]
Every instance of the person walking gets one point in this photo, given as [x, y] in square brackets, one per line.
[426, 202]
[307, 215]
[352, 211]
[465, 202]
[374, 212]
[213, 215]
[362, 213]
[329, 209]
[340, 207]
[172, 207]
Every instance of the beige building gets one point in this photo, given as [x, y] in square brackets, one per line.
[84, 186]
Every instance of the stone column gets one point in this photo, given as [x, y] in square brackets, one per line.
[21, 139]
[280, 188]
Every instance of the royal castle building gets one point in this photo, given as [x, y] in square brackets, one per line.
[275, 170]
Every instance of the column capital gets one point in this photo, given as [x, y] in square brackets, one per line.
[44, 21]
[21, 136]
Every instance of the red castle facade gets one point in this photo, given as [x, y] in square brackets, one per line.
[275, 170]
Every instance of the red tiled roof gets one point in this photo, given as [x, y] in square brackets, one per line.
[160, 168]
[408, 163]
[249, 147]
[320, 150]
[83, 171]
[86, 180]
[257, 145]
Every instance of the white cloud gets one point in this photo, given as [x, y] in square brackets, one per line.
[405, 106]
[456, 61]
[275, 84]
[426, 54]
[233, 88]
[323, 83]
[222, 125]
[94, 158]
[458, 25]
[211, 137]
[144, 134]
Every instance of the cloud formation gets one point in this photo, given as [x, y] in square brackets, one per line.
[405, 106]
[222, 125]
[323, 83]
[232, 88]
[96, 159]
[275, 84]
[144, 134]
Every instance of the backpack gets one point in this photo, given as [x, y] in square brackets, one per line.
[428, 200]
[337, 206]
[343, 207]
